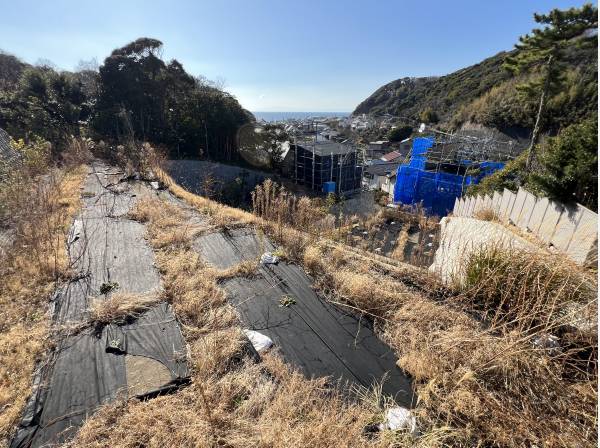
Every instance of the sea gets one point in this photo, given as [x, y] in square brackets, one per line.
[281, 116]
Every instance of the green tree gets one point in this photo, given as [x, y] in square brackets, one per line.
[165, 105]
[264, 146]
[46, 104]
[543, 52]
[428, 115]
[275, 138]
[569, 165]
[399, 133]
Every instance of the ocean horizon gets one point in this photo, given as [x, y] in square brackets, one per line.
[280, 116]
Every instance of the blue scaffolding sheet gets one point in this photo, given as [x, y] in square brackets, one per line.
[435, 190]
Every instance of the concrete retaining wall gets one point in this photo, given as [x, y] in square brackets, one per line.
[572, 230]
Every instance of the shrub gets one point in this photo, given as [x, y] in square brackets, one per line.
[400, 133]
[523, 289]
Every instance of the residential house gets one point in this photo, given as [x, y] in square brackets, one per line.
[378, 148]
[393, 156]
[381, 176]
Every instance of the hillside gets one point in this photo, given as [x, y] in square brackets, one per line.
[461, 357]
[487, 94]
[408, 97]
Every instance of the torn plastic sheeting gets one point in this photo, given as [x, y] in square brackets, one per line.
[259, 341]
[86, 375]
[314, 335]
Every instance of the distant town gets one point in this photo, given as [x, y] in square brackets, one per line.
[351, 155]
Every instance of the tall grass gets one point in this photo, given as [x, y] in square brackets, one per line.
[483, 374]
[38, 203]
[275, 204]
[231, 401]
[524, 289]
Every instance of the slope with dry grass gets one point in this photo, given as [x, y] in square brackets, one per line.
[231, 400]
[484, 373]
[479, 380]
[484, 369]
[30, 271]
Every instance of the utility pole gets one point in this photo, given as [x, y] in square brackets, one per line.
[313, 167]
[331, 173]
[340, 161]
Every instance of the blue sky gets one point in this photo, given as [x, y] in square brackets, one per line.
[279, 55]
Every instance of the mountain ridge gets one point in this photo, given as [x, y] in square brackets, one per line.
[487, 94]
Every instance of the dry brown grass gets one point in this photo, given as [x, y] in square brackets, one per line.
[484, 381]
[481, 381]
[245, 268]
[219, 214]
[119, 307]
[487, 214]
[524, 289]
[229, 403]
[490, 388]
[265, 405]
[29, 272]
[274, 204]
[398, 252]
[478, 383]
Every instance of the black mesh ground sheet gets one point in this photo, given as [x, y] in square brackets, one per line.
[316, 336]
[88, 368]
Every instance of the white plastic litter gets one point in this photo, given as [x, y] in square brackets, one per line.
[269, 258]
[155, 185]
[259, 341]
[399, 418]
[547, 342]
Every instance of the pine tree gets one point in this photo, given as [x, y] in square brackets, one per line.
[543, 52]
[569, 165]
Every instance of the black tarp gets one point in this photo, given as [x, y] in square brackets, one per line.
[91, 367]
[321, 339]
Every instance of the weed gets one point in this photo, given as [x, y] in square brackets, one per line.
[119, 307]
[287, 301]
[108, 287]
[42, 213]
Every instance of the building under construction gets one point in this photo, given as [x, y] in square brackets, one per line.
[442, 167]
[326, 166]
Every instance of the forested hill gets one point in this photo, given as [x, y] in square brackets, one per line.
[444, 94]
[134, 93]
[487, 94]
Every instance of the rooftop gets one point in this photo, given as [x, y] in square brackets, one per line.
[381, 169]
[327, 148]
[391, 156]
